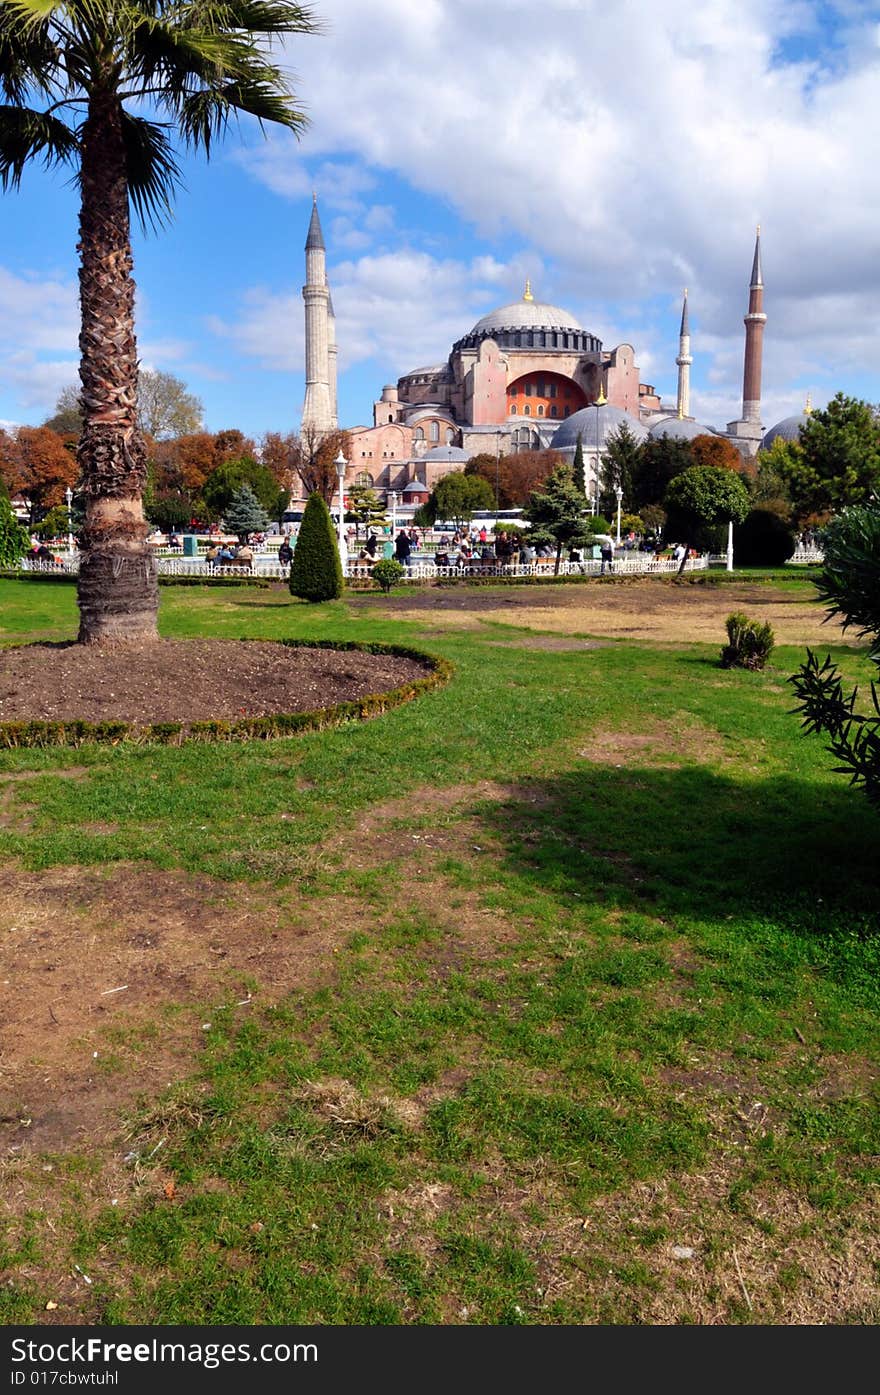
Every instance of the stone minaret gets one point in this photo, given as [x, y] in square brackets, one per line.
[331, 360]
[755, 321]
[684, 361]
[317, 412]
[747, 431]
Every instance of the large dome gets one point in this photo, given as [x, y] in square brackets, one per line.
[789, 429]
[680, 429]
[526, 314]
[584, 423]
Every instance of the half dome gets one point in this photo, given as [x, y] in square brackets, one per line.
[679, 429]
[584, 423]
[789, 429]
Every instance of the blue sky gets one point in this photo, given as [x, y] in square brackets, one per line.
[611, 154]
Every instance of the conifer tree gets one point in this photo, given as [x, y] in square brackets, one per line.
[316, 569]
[245, 514]
[577, 469]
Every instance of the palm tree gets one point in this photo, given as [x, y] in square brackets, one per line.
[98, 85]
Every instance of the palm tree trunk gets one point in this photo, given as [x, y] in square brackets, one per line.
[118, 592]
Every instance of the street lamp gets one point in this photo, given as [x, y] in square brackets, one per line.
[619, 492]
[68, 494]
[393, 497]
[340, 462]
[600, 401]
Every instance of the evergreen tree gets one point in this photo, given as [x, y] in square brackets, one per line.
[578, 472]
[618, 466]
[839, 459]
[245, 514]
[364, 507]
[316, 569]
[559, 510]
[14, 539]
[657, 461]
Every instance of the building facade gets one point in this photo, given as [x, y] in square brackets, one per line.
[526, 376]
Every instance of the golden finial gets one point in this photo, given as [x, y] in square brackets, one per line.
[527, 293]
[808, 405]
[601, 400]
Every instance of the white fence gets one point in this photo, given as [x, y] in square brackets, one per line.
[804, 555]
[419, 569]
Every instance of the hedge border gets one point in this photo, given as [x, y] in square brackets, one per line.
[40, 734]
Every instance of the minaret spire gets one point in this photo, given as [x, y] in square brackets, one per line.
[684, 361]
[754, 323]
[318, 413]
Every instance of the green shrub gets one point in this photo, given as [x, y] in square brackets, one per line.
[14, 538]
[763, 539]
[316, 569]
[387, 572]
[749, 643]
[849, 587]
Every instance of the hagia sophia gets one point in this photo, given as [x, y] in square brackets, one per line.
[527, 376]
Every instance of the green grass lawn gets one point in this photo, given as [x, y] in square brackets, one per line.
[593, 1037]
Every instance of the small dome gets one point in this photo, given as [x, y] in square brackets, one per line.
[526, 314]
[680, 429]
[583, 424]
[447, 453]
[789, 429]
[415, 488]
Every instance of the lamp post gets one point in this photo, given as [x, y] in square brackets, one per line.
[393, 497]
[68, 494]
[729, 562]
[340, 462]
[599, 402]
[619, 492]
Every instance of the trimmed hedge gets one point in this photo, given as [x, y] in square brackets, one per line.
[316, 569]
[18, 735]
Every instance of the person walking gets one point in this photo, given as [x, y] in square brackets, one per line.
[606, 552]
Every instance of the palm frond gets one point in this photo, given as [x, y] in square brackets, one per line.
[29, 58]
[151, 169]
[25, 134]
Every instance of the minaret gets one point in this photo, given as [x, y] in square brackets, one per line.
[746, 431]
[684, 361]
[754, 323]
[331, 360]
[317, 413]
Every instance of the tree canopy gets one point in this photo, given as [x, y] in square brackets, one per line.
[702, 497]
[838, 459]
[245, 514]
[558, 510]
[457, 495]
[35, 462]
[226, 480]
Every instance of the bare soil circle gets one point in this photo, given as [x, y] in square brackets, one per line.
[189, 680]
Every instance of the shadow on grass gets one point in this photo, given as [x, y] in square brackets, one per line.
[795, 856]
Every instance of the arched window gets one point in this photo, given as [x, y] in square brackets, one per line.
[364, 479]
[435, 431]
[420, 433]
[540, 409]
[513, 409]
[554, 410]
[527, 411]
[450, 436]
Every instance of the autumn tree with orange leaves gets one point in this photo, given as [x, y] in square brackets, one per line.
[35, 463]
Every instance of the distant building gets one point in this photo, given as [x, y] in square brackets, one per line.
[527, 376]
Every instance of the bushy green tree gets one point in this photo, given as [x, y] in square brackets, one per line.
[763, 539]
[702, 498]
[656, 462]
[316, 569]
[849, 586]
[559, 510]
[225, 480]
[364, 507]
[387, 573]
[245, 514]
[14, 538]
[457, 495]
[838, 461]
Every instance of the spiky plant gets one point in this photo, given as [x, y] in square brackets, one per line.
[101, 87]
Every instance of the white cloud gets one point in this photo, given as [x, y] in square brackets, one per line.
[632, 145]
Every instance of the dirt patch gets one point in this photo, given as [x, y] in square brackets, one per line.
[181, 680]
[652, 608]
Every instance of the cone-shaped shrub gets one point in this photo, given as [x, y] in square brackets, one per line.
[316, 569]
